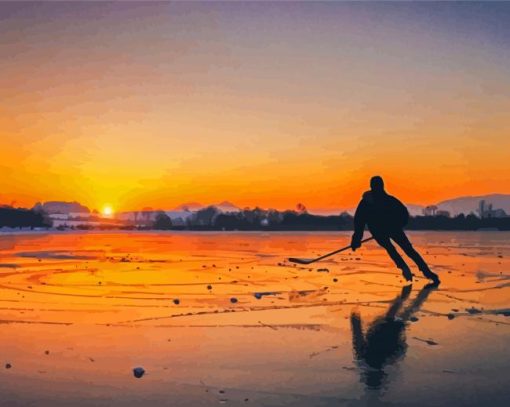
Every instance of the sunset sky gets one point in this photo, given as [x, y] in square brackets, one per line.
[152, 105]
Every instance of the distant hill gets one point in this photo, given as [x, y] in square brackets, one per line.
[468, 204]
[415, 210]
[227, 206]
[464, 204]
[189, 206]
[53, 207]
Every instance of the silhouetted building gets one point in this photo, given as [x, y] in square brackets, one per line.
[486, 211]
[430, 210]
[433, 210]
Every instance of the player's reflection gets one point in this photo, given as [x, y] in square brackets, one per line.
[384, 342]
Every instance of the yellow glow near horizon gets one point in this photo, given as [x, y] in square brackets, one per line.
[107, 210]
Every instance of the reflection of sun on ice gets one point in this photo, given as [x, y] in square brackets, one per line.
[107, 210]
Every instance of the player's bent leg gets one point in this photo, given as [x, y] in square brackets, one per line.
[403, 241]
[395, 256]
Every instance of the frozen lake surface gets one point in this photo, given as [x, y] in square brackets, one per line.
[222, 318]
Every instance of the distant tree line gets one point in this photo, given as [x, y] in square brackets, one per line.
[162, 222]
[211, 218]
[459, 222]
[259, 219]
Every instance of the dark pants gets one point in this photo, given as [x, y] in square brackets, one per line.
[400, 238]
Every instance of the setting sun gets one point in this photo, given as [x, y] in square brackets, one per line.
[107, 210]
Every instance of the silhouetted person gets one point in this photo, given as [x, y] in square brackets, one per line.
[386, 217]
[384, 342]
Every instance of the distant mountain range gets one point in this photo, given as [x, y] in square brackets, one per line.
[464, 204]
[456, 206]
[468, 204]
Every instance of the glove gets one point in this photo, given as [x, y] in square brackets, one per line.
[355, 243]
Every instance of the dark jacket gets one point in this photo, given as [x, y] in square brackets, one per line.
[382, 213]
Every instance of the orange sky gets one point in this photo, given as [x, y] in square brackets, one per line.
[260, 104]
